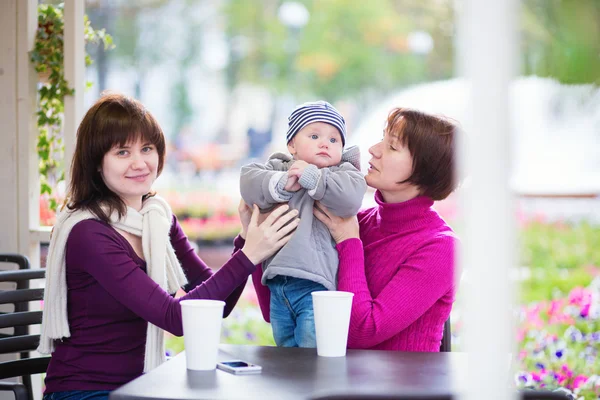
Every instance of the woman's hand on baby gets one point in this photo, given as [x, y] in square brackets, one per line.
[340, 228]
[245, 212]
[262, 241]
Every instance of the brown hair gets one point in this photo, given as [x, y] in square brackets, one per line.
[114, 120]
[431, 142]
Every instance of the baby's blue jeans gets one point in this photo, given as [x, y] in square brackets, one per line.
[292, 315]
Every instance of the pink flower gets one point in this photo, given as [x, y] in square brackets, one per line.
[559, 378]
[580, 296]
[536, 377]
[555, 307]
[568, 372]
[579, 380]
[585, 310]
[250, 295]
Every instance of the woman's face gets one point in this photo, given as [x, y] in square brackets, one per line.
[130, 171]
[391, 162]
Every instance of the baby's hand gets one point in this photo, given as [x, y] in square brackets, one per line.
[292, 184]
[297, 168]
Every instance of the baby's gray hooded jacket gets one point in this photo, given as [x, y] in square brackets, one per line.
[310, 253]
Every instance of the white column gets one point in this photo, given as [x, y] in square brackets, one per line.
[74, 75]
[486, 56]
[27, 132]
[9, 234]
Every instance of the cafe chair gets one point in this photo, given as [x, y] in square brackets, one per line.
[543, 395]
[16, 342]
[446, 344]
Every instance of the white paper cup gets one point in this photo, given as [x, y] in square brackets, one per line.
[201, 332]
[332, 320]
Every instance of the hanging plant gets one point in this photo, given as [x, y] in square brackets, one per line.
[47, 57]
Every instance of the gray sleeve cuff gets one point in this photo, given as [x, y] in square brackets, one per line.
[310, 177]
[279, 193]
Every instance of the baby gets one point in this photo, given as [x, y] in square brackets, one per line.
[317, 170]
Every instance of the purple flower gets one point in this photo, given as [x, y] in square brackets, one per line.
[559, 354]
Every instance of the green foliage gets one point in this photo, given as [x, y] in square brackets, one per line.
[560, 245]
[345, 49]
[560, 40]
[559, 257]
[47, 57]
[545, 284]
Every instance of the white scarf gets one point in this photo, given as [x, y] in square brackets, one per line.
[153, 224]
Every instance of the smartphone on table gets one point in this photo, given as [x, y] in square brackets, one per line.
[239, 367]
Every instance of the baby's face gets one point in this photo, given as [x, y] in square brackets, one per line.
[318, 143]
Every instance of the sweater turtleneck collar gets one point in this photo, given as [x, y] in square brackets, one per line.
[407, 214]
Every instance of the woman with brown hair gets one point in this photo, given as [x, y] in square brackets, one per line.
[398, 257]
[118, 254]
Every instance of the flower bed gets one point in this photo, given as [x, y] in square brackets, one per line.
[205, 217]
[559, 342]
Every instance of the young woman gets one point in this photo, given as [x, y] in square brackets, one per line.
[117, 256]
[398, 257]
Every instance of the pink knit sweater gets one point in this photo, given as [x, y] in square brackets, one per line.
[401, 272]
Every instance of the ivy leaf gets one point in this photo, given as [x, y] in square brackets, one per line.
[46, 188]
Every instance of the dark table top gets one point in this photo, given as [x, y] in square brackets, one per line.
[295, 373]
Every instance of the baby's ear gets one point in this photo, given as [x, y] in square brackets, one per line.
[291, 147]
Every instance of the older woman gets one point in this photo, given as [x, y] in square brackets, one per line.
[398, 257]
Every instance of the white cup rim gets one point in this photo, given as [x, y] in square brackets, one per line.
[202, 303]
[332, 293]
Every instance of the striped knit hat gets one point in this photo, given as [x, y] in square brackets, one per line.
[315, 111]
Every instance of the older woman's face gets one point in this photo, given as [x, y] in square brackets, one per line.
[391, 162]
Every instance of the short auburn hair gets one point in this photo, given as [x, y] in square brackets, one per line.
[430, 139]
[114, 120]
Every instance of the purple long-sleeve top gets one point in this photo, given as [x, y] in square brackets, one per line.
[111, 299]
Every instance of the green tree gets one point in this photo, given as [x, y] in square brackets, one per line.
[346, 48]
[138, 46]
[561, 39]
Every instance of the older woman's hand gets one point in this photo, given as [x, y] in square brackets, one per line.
[340, 228]
[262, 241]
